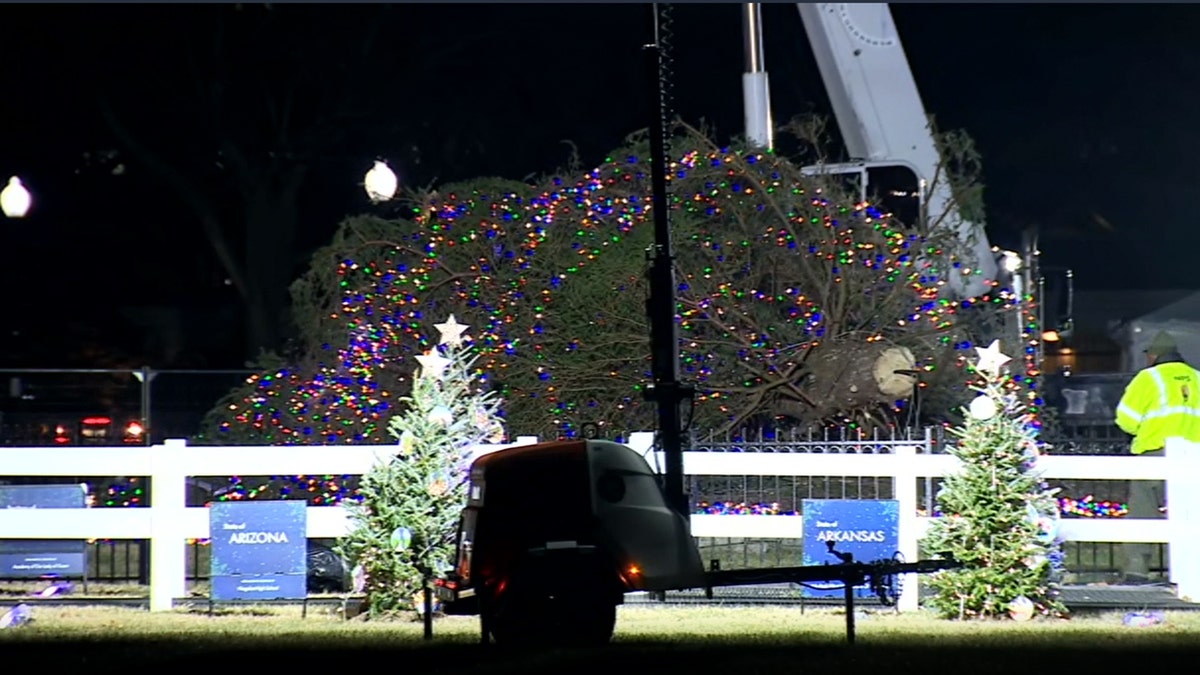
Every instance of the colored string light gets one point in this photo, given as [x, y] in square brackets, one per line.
[1086, 507]
[345, 393]
[122, 494]
[742, 509]
[1090, 507]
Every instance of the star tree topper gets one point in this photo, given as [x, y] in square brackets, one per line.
[452, 331]
[433, 364]
[990, 359]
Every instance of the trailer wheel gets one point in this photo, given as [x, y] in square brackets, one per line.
[531, 619]
[582, 620]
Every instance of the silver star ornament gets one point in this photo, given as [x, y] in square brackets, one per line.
[452, 331]
[990, 359]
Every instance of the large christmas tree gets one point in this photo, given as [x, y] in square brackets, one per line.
[797, 303]
[404, 526]
[998, 517]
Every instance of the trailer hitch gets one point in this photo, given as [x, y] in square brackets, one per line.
[882, 576]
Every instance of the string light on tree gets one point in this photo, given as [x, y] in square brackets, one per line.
[514, 261]
[412, 499]
[999, 518]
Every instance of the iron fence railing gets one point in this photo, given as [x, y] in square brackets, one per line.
[107, 406]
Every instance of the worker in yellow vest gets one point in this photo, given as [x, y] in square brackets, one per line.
[1162, 401]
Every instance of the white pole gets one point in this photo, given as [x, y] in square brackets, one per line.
[905, 492]
[756, 89]
[168, 506]
[1183, 515]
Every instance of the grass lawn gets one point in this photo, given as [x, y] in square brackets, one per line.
[742, 641]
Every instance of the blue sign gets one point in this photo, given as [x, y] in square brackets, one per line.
[43, 557]
[866, 528]
[259, 550]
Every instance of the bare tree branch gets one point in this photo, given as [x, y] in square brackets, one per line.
[187, 191]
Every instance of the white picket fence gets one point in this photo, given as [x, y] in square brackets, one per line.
[169, 522]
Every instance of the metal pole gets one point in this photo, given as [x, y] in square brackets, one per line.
[1069, 321]
[667, 391]
[1041, 293]
[756, 88]
[427, 606]
[848, 594]
[1018, 283]
[145, 376]
[1030, 272]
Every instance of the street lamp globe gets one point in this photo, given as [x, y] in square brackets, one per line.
[380, 182]
[15, 199]
[1012, 261]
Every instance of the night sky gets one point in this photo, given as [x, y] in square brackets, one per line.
[1084, 116]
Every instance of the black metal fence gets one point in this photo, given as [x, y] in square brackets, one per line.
[107, 406]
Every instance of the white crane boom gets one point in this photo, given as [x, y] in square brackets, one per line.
[880, 114]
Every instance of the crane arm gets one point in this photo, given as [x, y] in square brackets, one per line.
[881, 116]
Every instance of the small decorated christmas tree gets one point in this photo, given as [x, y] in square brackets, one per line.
[998, 517]
[405, 525]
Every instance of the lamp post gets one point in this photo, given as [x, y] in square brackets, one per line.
[381, 183]
[1063, 329]
[1014, 265]
[15, 200]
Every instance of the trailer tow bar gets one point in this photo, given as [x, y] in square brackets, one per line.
[880, 576]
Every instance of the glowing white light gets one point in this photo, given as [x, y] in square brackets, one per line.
[1012, 261]
[15, 199]
[381, 183]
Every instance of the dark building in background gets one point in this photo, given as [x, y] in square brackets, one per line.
[1103, 321]
[1087, 374]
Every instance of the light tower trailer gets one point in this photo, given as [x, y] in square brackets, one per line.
[555, 534]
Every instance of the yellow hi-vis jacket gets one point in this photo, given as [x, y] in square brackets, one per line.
[1161, 401]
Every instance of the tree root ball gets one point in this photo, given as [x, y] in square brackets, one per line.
[849, 376]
